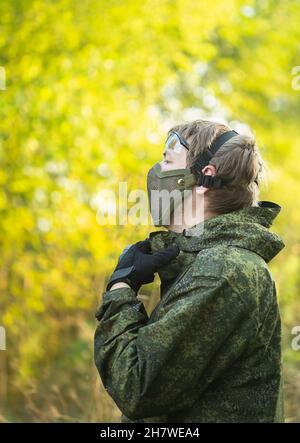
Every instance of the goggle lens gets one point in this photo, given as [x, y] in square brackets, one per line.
[173, 142]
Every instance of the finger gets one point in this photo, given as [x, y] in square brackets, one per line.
[163, 257]
[125, 250]
[144, 246]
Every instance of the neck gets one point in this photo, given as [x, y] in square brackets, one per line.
[192, 216]
[179, 228]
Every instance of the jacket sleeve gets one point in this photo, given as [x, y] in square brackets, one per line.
[153, 368]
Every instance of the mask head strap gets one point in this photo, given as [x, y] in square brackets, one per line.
[204, 158]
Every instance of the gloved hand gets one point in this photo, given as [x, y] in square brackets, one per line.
[136, 265]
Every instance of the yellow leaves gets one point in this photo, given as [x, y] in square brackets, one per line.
[30, 352]
[3, 200]
[12, 315]
[92, 88]
[35, 305]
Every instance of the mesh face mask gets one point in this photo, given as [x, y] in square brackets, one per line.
[166, 189]
[166, 192]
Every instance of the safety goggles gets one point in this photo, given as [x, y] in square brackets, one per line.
[175, 142]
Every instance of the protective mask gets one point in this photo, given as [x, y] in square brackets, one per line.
[166, 192]
[166, 189]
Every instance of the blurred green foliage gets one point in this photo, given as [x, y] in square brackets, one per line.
[91, 88]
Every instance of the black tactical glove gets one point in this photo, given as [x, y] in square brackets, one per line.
[136, 265]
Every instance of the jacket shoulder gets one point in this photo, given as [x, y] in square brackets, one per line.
[245, 271]
[225, 260]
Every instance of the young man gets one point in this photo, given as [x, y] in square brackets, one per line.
[211, 349]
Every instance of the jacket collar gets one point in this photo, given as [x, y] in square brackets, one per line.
[246, 228]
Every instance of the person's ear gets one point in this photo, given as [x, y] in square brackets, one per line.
[207, 170]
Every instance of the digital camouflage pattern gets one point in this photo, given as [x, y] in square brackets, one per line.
[211, 349]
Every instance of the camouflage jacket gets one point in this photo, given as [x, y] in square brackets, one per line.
[211, 349]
